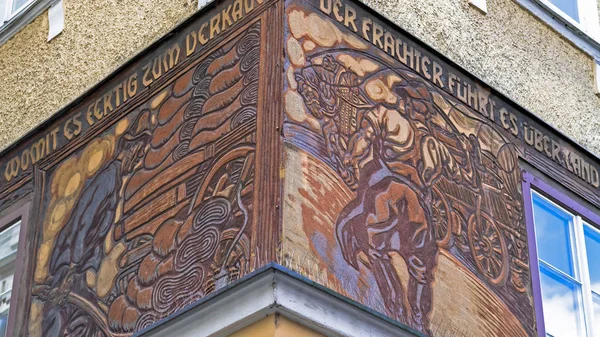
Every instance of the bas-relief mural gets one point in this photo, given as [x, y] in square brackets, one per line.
[396, 194]
[157, 211]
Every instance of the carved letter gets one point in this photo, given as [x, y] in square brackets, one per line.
[157, 70]
[190, 43]
[527, 134]
[172, 57]
[25, 160]
[350, 18]
[214, 26]
[325, 6]
[77, 123]
[201, 37]
[38, 151]
[133, 85]
[248, 5]
[12, 169]
[337, 5]
[226, 18]
[366, 28]
[595, 179]
[425, 63]
[147, 80]
[437, 74]
[236, 14]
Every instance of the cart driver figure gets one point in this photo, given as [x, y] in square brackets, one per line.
[387, 155]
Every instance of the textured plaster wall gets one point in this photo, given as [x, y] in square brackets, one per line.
[512, 51]
[37, 78]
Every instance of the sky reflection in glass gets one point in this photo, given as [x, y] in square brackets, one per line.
[592, 245]
[569, 7]
[596, 300]
[17, 4]
[561, 300]
[553, 231]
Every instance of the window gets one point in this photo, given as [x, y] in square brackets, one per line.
[13, 229]
[565, 267]
[582, 14]
[10, 8]
[9, 241]
[16, 14]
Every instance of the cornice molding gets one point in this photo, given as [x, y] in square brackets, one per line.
[270, 290]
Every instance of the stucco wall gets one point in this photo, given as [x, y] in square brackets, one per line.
[39, 77]
[508, 48]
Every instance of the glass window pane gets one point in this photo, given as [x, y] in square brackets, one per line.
[9, 241]
[553, 232]
[592, 246]
[17, 4]
[569, 7]
[3, 323]
[2, 11]
[596, 299]
[561, 301]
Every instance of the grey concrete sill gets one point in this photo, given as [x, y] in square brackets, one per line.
[570, 32]
[14, 25]
[274, 289]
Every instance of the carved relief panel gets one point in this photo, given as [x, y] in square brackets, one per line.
[311, 133]
[397, 194]
[158, 210]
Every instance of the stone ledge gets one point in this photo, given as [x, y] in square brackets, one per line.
[274, 289]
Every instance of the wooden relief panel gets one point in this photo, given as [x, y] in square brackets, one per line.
[157, 211]
[397, 194]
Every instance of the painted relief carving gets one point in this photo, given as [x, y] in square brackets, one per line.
[416, 184]
[158, 211]
[396, 192]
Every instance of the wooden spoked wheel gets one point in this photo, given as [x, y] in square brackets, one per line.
[440, 214]
[488, 248]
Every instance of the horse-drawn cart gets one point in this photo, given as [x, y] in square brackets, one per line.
[481, 217]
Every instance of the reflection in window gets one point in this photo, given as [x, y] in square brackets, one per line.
[3, 324]
[9, 240]
[10, 8]
[561, 299]
[568, 249]
[554, 233]
[570, 7]
[592, 247]
[596, 304]
[17, 4]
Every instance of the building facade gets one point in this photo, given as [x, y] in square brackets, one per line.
[415, 168]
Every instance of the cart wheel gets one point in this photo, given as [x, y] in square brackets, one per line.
[460, 239]
[441, 219]
[488, 248]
